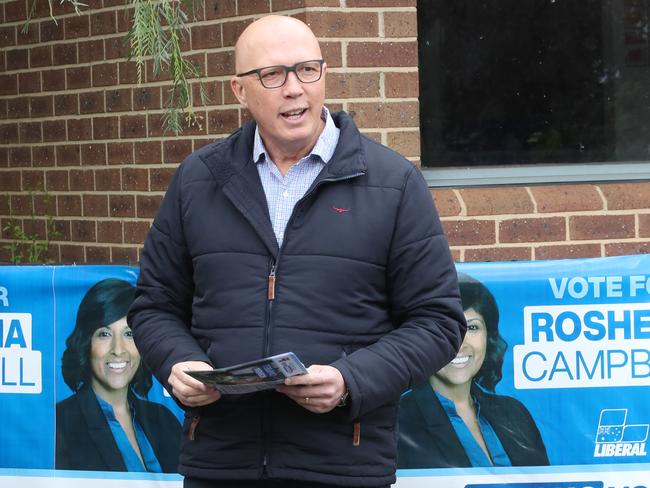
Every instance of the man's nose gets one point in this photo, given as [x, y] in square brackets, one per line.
[292, 84]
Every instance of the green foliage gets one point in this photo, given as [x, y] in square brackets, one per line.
[28, 248]
[157, 30]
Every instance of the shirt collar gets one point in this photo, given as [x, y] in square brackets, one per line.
[449, 407]
[324, 148]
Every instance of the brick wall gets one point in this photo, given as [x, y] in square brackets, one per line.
[80, 141]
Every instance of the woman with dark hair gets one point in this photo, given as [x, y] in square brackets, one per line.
[107, 425]
[456, 419]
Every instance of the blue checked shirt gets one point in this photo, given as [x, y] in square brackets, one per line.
[283, 192]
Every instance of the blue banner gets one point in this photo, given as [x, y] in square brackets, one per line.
[575, 349]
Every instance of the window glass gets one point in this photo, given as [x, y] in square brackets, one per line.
[536, 81]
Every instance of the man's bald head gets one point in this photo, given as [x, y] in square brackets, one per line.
[267, 39]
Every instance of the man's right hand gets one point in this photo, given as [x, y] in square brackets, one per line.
[189, 391]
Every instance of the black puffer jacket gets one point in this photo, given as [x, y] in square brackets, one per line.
[364, 282]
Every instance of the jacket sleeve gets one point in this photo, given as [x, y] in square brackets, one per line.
[160, 315]
[424, 304]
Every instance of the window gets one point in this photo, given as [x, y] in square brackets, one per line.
[506, 83]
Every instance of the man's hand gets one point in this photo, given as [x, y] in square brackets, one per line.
[189, 391]
[319, 391]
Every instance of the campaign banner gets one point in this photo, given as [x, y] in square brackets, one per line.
[569, 353]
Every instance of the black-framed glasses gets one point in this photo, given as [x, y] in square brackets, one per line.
[276, 76]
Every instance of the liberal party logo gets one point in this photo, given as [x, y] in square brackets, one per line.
[20, 366]
[616, 438]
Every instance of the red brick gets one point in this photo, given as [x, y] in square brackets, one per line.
[105, 127]
[18, 108]
[7, 35]
[20, 204]
[17, 59]
[627, 248]
[54, 80]
[566, 198]
[496, 201]
[33, 180]
[105, 74]
[80, 130]
[644, 225]
[128, 73]
[4, 157]
[29, 82]
[124, 18]
[149, 76]
[65, 53]
[4, 204]
[569, 251]
[56, 180]
[82, 180]
[16, 10]
[103, 23]
[623, 196]
[353, 85]
[250, 7]
[30, 132]
[41, 106]
[66, 105]
[221, 63]
[30, 36]
[493, 254]
[98, 255]
[119, 100]
[382, 115]
[159, 178]
[332, 53]
[405, 142]
[78, 77]
[122, 206]
[76, 26]
[54, 131]
[108, 180]
[146, 98]
[120, 153]
[68, 205]
[446, 202]
[20, 156]
[382, 54]
[135, 232]
[223, 121]
[62, 229]
[93, 154]
[109, 231]
[124, 255]
[91, 102]
[402, 85]
[116, 48]
[400, 24]
[133, 126]
[206, 36]
[71, 254]
[51, 31]
[601, 227]
[43, 156]
[83, 231]
[175, 151]
[10, 181]
[212, 91]
[90, 51]
[9, 133]
[344, 24]
[68, 155]
[532, 230]
[95, 206]
[155, 125]
[469, 232]
[8, 84]
[135, 179]
[149, 152]
[220, 10]
[232, 30]
[147, 205]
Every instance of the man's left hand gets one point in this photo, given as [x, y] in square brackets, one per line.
[319, 391]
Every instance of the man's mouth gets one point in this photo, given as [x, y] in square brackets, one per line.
[293, 114]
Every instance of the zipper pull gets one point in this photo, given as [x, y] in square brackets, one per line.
[356, 434]
[271, 287]
[192, 430]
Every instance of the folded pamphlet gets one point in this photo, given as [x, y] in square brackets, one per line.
[258, 375]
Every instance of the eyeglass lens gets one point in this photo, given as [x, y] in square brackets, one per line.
[276, 76]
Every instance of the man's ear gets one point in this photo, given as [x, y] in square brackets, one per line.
[238, 90]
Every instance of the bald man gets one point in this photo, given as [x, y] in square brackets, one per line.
[296, 233]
